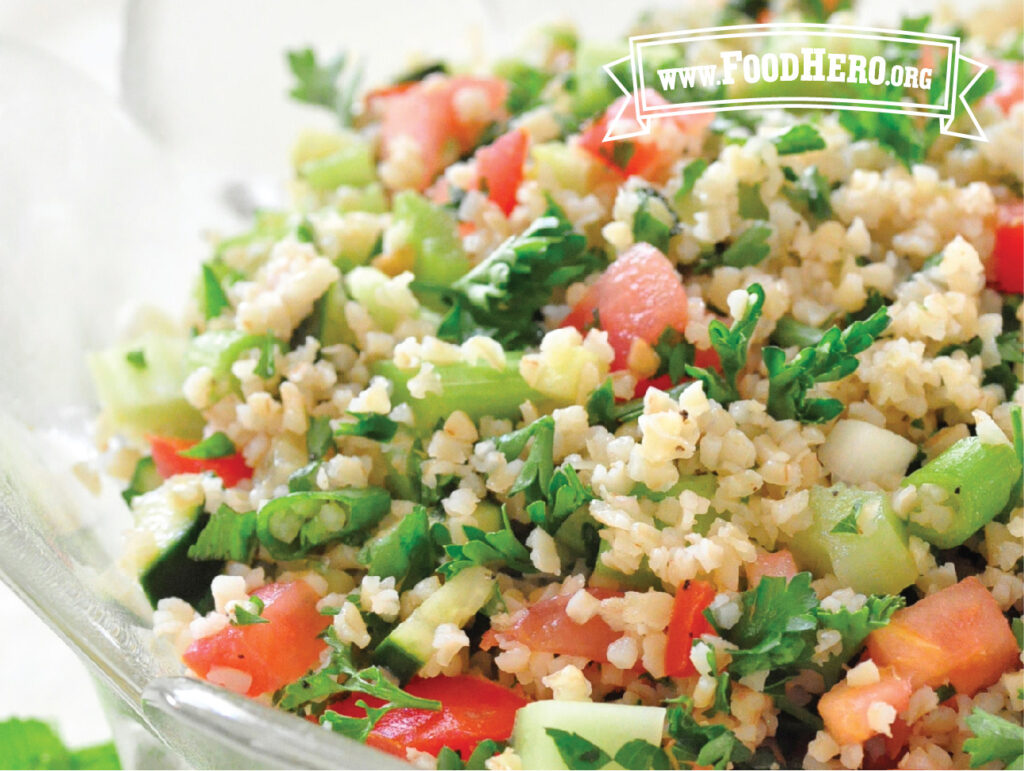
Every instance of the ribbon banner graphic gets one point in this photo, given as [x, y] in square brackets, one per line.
[794, 65]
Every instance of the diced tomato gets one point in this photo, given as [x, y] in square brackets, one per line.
[777, 563]
[844, 709]
[546, 627]
[957, 635]
[686, 625]
[499, 166]
[639, 295]
[472, 709]
[1009, 87]
[641, 155]
[432, 115]
[1006, 268]
[272, 654]
[166, 449]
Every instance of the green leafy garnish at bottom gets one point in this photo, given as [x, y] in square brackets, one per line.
[33, 744]
[994, 739]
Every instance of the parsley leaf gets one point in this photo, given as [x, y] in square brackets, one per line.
[214, 446]
[848, 524]
[372, 425]
[994, 739]
[789, 332]
[324, 84]
[601, 405]
[505, 292]
[809, 192]
[774, 619]
[407, 553]
[565, 494]
[246, 617]
[751, 205]
[704, 745]
[227, 535]
[641, 754]
[35, 744]
[731, 344]
[801, 138]
[674, 354]
[577, 752]
[854, 626]
[650, 226]
[266, 367]
[832, 358]
[369, 681]
[215, 300]
[749, 249]
[691, 173]
[494, 549]
[448, 758]
[136, 358]
[539, 466]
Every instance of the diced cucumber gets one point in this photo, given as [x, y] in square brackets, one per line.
[369, 199]
[363, 283]
[268, 227]
[145, 479]
[431, 233]
[857, 452]
[146, 398]
[594, 89]
[410, 644]
[328, 161]
[218, 350]
[978, 479]
[477, 390]
[167, 571]
[560, 165]
[609, 726]
[856, 535]
[327, 322]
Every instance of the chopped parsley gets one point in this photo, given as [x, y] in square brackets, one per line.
[319, 437]
[371, 425]
[649, 225]
[801, 138]
[499, 548]
[995, 739]
[809, 192]
[266, 367]
[848, 524]
[227, 535]
[691, 173]
[713, 745]
[449, 760]
[212, 447]
[136, 358]
[246, 617]
[674, 354]
[214, 299]
[831, 358]
[580, 753]
[332, 84]
[538, 468]
[731, 344]
[751, 205]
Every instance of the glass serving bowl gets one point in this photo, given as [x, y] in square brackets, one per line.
[100, 208]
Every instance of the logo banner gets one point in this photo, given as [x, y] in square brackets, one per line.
[793, 65]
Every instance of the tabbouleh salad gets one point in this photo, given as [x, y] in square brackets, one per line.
[505, 446]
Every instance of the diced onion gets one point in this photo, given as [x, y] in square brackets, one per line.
[857, 452]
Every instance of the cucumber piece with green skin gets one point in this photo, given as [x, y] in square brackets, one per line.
[411, 643]
[609, 726]
[363, 283]
[327, 323]
[218, 350]
[290, 526]
[145, 479]
[477, 390]
[978, 479]
[873, 560]
[566, 166]
[167, 571]
[369, 199]
[146, 399]
[328, 161]
[434, 239]
[606, 577]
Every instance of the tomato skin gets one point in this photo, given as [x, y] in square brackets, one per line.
[472, 709]
[687, 624]
[426, 114]
[546, 627]
[231, 469]
[1009, 87]
[1006, 269]
[639, 295]
[958, 635]
[500, 167]
[273, 654]
[646, 158]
